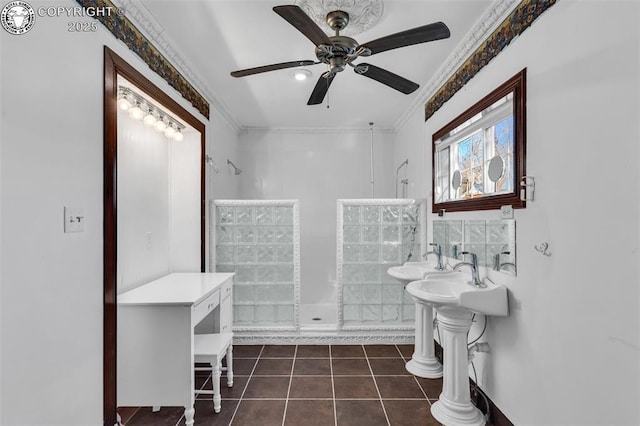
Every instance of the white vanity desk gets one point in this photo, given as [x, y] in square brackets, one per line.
[156, 323]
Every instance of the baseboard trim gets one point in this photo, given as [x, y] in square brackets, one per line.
[480, 399]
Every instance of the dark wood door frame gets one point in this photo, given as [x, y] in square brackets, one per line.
[114, 66]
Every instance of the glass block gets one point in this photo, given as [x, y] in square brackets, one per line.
[497, 233]
[391, 313]
[351, 253]
[455, 230]
[224, 215]
[244, 215]
[351, 313]
[371, 313]
[392, 293]
[351, 214]
[407, 299]
[371, 214]
[410, 214]
[391, 214]
[274, 294]
[266, 274]
[284, 254]
[283, 273]
[390, 234]
[265, 234]
[265, 314]
[284, 234]
[370, 253]
[370, 234]
[408, 313]
[245, 234]
[245, 274]
[243, 293]
[410, 233]
[351, 234]
[439, 231]
[370, 273]
[243, 314]
[246, 254]
[224, 254]
[385, 278]
[283, 215]
[266, 254]
[351, 273]
[225, 268]
[224, 234]
[410, 253]
[371, 294]
[285, 314]
[391, 253]
[264, 215]
[351, 294]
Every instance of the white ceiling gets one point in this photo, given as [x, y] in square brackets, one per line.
[215, 37]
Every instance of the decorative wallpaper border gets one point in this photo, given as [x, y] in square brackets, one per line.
[514, 25]
[124, 30]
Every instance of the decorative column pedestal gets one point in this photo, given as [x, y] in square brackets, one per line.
[423, 362]
[454, 407]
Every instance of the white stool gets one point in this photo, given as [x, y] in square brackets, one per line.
[211, 348]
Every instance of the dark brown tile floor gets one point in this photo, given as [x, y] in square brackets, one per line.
[310, 385]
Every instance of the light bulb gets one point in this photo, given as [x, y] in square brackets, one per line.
[160, 125]
[178, 136]
[301, 74]
[124, 104]
[136, 112]
[149, 119]
[169, 131]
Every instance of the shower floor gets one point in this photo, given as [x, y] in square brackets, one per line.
[318, 316]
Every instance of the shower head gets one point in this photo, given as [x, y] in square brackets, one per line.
[236, 170]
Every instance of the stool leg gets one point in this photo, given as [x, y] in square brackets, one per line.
[215, 377]
[230, 366]
[189, 414]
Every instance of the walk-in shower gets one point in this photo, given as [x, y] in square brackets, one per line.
[259, 240]
[236, 170]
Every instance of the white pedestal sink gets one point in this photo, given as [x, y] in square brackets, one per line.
[423, 362]
[456, 300]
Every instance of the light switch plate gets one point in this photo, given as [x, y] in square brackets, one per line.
[74, 219]
[506, 212]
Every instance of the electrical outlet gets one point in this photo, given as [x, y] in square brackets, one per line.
[74, 219]
[506, 212]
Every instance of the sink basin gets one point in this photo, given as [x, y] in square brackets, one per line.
[453, 290]
[414, 271]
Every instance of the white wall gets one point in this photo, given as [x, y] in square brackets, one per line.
[569, 352]
[51, 282]
[317, 168]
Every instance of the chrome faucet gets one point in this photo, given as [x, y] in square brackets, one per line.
[497, 261]
[437, 250]
[473, 265]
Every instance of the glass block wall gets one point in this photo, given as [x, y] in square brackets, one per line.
[260, 241]
[374, 235]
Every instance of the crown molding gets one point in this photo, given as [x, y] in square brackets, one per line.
[316, 130]
[143, 19]
[484, 26]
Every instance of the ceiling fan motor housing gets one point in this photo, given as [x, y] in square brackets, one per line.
[336, 54]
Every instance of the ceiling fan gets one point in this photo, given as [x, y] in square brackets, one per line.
[339, 51]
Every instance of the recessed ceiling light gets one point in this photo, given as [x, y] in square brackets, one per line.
[301, 74]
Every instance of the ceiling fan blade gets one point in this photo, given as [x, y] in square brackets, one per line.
[430, 32]
[386, 77]
[319, 92]
[303, 23]
[265, 68]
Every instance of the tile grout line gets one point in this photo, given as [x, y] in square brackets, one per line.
[333, 388]
[255, 365]
[375, 382]
[286, 402]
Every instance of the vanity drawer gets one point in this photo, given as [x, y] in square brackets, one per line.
[226, 289]
[203, 308]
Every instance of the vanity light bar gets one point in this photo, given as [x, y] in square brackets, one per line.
[141, 108]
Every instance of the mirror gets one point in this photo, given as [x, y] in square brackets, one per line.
[479, 157]
[493, 241]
